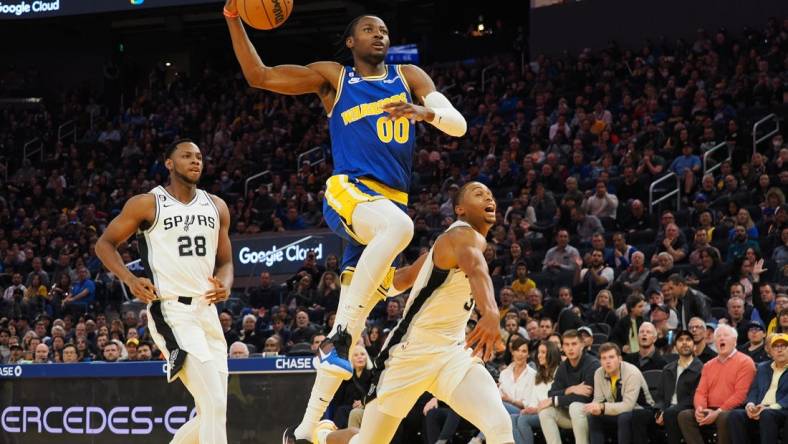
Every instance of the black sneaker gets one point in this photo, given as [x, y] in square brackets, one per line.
[288, 437]
[334, 352]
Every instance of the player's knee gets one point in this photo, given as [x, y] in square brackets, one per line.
[400, 227]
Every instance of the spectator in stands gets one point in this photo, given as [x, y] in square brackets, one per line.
[41, 354]
[596, 277]
[744, 219]
[249, 335]
[144, 352]
[636, 221]
[521, 283]
[689, 302]
[723, 386]
[686, 166]
[561, 261]
[111, 352]
[566, 297]
[278, 328]
[676, 389]
[326, 296]
[70, 355]
[273, 346]
[373, 341]
[780, 254]
[226, 320]
[601, 204]
[673, 243]
[83, 293]
[755, 346]
[17, 354]
[766, 398]
[393, 314]
[739, 244]
[548, 358]
[621, 402]
[647, 357]
[302, 330]
[349, 399]
[702, 350]
[587, 340]
[315, 341]
[238, 350]
[709, 276]
[663, 268]
[585, 226]
[625, 333]
[736, 315]
[265, 294]
[634, 279]
[572, 388]
[601, 312]
[131, 349]
[303, 295]
[701, 241]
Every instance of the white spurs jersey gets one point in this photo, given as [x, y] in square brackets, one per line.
[178, 250]
[439, 305]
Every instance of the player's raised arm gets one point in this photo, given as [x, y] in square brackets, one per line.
[137, 211]
[320, 77]
[466, 245]
[436, 109]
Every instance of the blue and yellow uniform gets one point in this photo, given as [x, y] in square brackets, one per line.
[373, 155]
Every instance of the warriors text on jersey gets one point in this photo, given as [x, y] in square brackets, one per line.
[178, 250]
[365, 142]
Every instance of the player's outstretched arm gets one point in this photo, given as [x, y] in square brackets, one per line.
[137, 210]
[463, 248]
[405, 276]
[223, 269]
[319, 77]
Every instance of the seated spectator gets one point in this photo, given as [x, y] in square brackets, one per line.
[521, 283]
[676, 389]
[315, 341]
[349, 399]
[393, 314]
[41, 355]
[587, 339]
[672, 243]
[635, 219]
[272, 346]
[302, 330]
[441, 422]
[663, 268]
[723, 386]
[767, 303]
[561, 261]
[601, 204]
[572, 388]
[69, 354]
[647, 357]
[710, 276]
[689, 302]
[739, 244]
[144, 351]
[548, 358]
[596, 277]
[703, 349]
[622, 252]
[83, 293]
[625, 333]
[780, 254]
[226, 320]
[279, 328]
[686, 167]
[238, 350]
[744, 219]
[601, 311]
[111, 352]
[766, 399]
[634, 279]
[586, 226]
[265, 293]
[737, 315]
[755, 347]
[701, 241]
[622, 401]
[249, 333]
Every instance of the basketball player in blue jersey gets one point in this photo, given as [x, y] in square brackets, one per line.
[372, 109]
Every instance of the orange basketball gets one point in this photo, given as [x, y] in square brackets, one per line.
[265, 14]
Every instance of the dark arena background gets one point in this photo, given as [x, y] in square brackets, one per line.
[648, 135]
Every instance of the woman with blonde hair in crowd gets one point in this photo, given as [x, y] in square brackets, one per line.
[351, 396]
[601, 312]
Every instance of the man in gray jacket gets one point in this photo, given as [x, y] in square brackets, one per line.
[621, 400]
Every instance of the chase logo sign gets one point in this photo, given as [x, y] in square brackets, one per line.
[11, 371]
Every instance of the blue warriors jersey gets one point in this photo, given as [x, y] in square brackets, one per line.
[365, 142]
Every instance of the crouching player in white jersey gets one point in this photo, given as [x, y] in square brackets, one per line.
[427, 350]
[185, 248]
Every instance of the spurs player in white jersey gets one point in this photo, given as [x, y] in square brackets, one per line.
[185, 248]
[427, 350]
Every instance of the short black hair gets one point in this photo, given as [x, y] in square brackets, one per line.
[174, 145]
[458, 197]
[633, 300]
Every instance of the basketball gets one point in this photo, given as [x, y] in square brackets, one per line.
[265, 14]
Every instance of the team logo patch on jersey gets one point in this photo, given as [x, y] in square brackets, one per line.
[189, 220]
